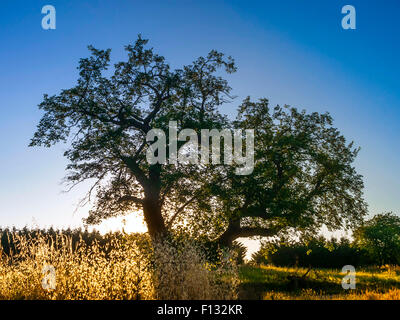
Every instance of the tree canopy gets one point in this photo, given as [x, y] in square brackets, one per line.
[380, 236]
[303, 175]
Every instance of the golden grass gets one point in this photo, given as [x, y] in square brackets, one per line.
[81, 273]
[125, 269]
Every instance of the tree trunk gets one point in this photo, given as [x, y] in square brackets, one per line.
[153, 218]
[152, 204]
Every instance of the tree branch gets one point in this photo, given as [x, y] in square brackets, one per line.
[129, 198]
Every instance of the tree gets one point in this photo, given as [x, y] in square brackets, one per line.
[303, 178]
[303, 175]
[380, 237]
[106, 120]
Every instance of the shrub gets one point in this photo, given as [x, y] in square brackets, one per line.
[182, 271]
[315, 252]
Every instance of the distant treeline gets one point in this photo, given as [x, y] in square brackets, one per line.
[375, 242]
[316, 252]
[10, 237]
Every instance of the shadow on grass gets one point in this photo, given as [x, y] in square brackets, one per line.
[257, 281]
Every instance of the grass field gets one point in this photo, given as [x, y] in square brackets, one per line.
[128, 268]
[125, 268]
[275, 283]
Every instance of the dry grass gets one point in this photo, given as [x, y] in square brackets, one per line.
[119, 272]
[182, 272]
[125, 269]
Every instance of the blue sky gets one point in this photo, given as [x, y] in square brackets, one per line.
[292, 52]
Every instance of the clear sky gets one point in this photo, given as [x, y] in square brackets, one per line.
[292, 52]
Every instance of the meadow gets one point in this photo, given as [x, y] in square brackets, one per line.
[283, 283]
[84, 266]
[118, 266]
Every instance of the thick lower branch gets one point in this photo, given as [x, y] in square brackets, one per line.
[128, 198]
[235, 231]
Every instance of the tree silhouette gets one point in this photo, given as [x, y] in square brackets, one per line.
[303, 175]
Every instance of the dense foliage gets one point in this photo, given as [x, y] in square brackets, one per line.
[303, 173]
[315, 252]
[380, 236]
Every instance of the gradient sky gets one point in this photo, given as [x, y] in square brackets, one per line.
[292, 52]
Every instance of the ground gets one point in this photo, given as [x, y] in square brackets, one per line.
[276, 283]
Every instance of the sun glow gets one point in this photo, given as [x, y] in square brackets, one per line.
[133, 222]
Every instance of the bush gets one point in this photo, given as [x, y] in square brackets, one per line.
[316, 252]
[182, 271]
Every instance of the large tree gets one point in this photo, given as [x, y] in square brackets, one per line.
[303, 175]
[105, 118]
